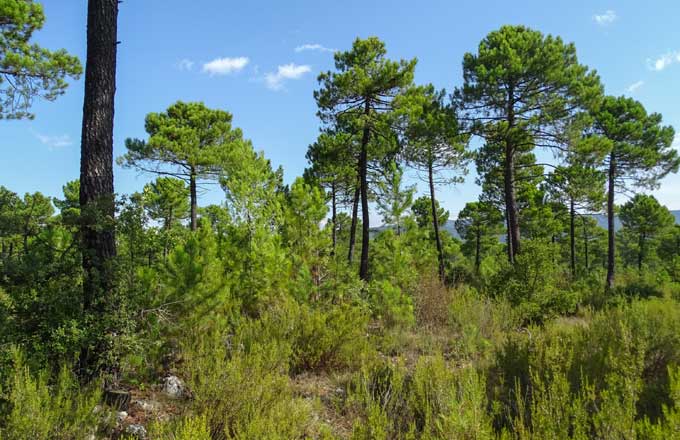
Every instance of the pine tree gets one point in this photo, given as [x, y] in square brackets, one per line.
[188, 141]
[365, 85]
[640, 155]
[521, 89]
[28, 70]
[433, 145]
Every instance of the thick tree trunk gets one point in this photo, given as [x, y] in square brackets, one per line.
[353, 227]
[193, 196]
[334, 218]
[96, 167]
[435, 224]
[365, 215]
[611, 234]
[572, 236]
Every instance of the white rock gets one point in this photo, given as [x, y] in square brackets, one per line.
[173, 386]
[121, 416]
[146, 406]
[137, 431]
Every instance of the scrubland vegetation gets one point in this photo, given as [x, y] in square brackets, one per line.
[280, 314]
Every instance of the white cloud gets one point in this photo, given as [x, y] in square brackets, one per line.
[676, 142]
[225, 66]
[605, 19]
[633, 87]
[314, 46]
[54, 142]
[664, 61]
[185, 64]
[288, 71]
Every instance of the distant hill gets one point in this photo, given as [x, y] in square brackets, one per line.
[450, 225]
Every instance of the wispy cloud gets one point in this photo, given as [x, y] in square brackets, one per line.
[314, 46]
[54, 142]
[275, 81]
[605, 19]
[225, 66]
[185, 64]
[633, 87]
[676, 142]
[664, 61]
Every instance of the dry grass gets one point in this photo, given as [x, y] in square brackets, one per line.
[432, 303]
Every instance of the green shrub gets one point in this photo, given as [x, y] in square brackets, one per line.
[532, 284]
[38, 408]
[433, 402]
[390, 304]
[245, 392]
[319, 336]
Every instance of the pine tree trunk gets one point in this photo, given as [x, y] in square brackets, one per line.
[96, 168]
[194, 203]
[435, 224]
[334, 218]
[611, 234]
[512, 211]
[365, 215]
[641, 252]
[478, 250]
[572, 236]
[585, 245]
[353, 227]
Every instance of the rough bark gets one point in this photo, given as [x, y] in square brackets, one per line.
[365, 215]
[435, 224]
[334, 218]
[611, 235]
[585, 245]
[478, 250]
[194, 202]
[572, 237]
[353, 227]
[96, 166]
[509, 182]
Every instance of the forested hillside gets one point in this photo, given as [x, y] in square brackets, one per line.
[283, 313]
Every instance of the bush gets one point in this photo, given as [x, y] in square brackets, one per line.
[433, 402]
[531, 284]
[245, 392]
[37, 408]
[390, 304]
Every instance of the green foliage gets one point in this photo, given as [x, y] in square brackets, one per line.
[532, 284]
[422, 212]
[393, 201]
[265, 405]
[29, 70]
[434, 402]
[43, 408]
[647, 219]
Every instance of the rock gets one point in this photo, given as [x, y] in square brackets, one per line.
[146, 406]
[173, 387]
[137, 431]
[121, 416]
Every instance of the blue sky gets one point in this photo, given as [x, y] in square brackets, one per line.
[242, 57]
